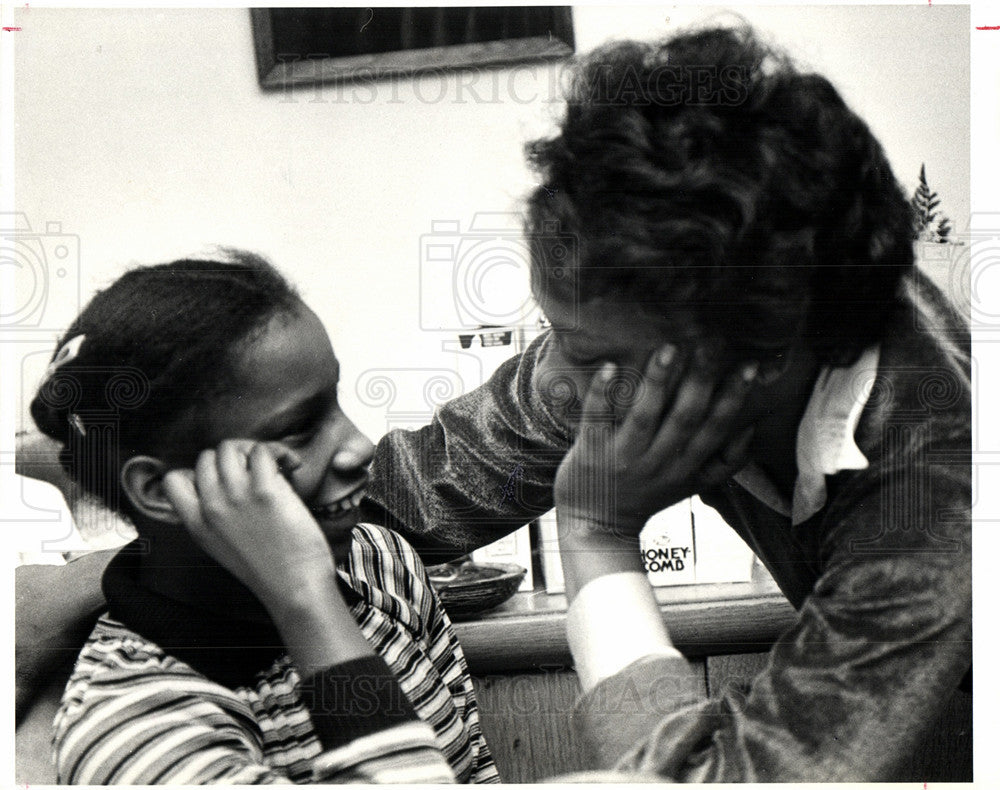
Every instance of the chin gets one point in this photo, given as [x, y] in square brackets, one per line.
[339, 532]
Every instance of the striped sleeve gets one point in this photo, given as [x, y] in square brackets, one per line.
[431, 668]
[139, 717]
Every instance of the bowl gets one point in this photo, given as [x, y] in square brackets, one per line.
[469, 588]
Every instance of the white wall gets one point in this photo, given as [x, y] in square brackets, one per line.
[145, 134]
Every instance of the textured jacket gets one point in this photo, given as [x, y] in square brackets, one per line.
[880, 576]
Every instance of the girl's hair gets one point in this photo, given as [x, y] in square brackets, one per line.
[707, 174]
[159, 341]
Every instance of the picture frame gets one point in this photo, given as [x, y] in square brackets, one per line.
[303, 46]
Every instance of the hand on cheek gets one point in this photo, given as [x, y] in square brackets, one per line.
[678, 436]
[238, 507]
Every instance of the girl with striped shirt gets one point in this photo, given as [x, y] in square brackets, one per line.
[255, 632]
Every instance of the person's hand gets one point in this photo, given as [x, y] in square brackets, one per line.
[238, 508]
[678, 437]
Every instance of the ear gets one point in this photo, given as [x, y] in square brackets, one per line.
[142, 482]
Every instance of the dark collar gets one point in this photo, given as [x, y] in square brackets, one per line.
[224, 649]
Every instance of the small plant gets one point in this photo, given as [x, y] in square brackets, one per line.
[928, 224]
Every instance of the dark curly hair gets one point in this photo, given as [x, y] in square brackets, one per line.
[157, 343]
[706, 172]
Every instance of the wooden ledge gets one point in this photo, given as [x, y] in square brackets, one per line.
[529, 631]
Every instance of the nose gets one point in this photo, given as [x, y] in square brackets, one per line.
[347, 465]
[354, 454]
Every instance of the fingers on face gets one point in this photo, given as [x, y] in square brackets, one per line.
[243, 465]
[264, 468]
[206, 475]
[694, 394]
[596, 405]
[597, 412]
[231, 460]
[659, 383]
[717, 426]
[178, 485]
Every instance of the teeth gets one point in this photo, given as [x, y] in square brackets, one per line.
[340, 506]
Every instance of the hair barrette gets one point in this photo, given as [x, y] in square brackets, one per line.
[69, 351]
[77, 424]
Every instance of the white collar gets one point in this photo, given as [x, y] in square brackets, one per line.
[825, 441]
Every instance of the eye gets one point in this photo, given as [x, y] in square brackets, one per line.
[298, 438]
[302, 431]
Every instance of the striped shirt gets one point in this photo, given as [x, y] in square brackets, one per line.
[181, 696]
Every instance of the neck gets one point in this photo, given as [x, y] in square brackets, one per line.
[784, 402]
[176, 568]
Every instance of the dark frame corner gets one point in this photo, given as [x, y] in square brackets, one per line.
[283, 69]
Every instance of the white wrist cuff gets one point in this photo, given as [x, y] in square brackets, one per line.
[614, 621]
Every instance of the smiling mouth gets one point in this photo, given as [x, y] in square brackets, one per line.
[340, 507]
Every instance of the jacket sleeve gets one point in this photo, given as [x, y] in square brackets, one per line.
[159, 724]
[851, 689]
[483, 467]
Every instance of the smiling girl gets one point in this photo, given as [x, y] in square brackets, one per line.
[256, 632]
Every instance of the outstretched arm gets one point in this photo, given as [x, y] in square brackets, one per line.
[56, 606]
[483, 467]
